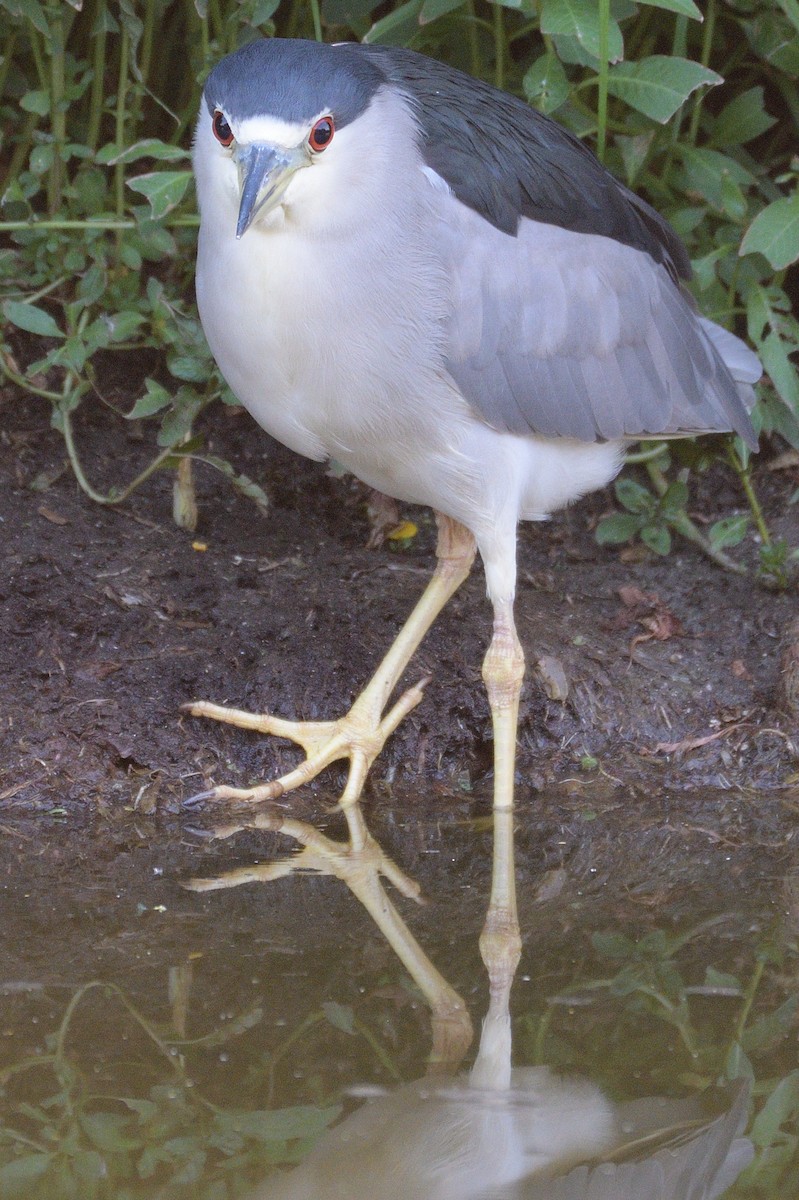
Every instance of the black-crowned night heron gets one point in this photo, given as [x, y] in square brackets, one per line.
[410, 272]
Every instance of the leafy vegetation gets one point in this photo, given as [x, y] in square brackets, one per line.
[652, 1007]
[99, 215]
[116, 1107]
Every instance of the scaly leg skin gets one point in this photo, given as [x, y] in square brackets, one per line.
[360, 736]
[362, 733]
[500, 941]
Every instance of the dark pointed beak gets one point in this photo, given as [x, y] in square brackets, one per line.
[264, 173]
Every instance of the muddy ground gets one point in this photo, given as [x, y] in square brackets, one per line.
[663, 786]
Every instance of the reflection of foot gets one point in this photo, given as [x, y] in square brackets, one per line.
[358, 736]
[360, 863]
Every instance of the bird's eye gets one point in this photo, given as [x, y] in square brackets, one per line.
[321, 134]
[222, 131]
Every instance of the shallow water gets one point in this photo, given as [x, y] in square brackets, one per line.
[159, 1043]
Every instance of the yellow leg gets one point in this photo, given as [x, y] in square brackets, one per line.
[500, 941]
[361, 734]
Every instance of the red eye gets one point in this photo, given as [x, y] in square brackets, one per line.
[222, 131]
[321, 134]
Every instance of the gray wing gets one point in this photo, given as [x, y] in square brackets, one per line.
[568, 334]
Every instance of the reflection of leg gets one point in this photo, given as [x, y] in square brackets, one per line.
[361, 734]
[360, 864]
[500, 941]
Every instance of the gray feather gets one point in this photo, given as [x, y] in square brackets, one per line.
[567, 335]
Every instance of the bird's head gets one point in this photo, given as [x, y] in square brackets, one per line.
[276, 129]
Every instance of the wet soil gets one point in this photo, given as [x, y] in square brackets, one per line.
[660, 782]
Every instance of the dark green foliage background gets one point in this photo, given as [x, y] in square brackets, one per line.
[97, 104]
[98, 226]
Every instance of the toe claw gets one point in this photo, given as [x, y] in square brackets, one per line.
[199, 798]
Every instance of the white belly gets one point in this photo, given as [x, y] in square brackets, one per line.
[333, 369]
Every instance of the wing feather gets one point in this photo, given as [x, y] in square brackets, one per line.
[567, 334]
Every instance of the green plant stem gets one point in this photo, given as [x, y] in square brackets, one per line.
[683, 524]
[707, 46]
[119, 120]
[7, 59]
[382, 1055]
[58, 113]
[474, 45]
[499, 46]
[749, 999]
[184, 222]
[544, 1022]
[317, 20]
[644, 456]
[746, 483]
[285, 1047]
[97, 94]
[602, 95]
[21, 150]
[115, 497]
[59, 1055]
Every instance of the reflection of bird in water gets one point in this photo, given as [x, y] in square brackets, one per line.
[406, 270]
[431, 1140]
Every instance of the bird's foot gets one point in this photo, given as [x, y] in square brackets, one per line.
[360, 862]
[359, 736]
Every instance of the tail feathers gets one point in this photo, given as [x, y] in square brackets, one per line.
[742, 363]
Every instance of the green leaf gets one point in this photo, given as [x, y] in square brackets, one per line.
[782, 1105]
[397, 27]
[111, 154]
[774, 354]
[123, 325]
[283, 1124]
[36, 102]
[154, 400]
[722, 980]
[32, 11]
[674, 499]
[17, 1176]
[772, 1028]
[190, 368]
[634, 497]
[657, 538]
[347, 12]
[580, 19]
[772, 37]
[742, 120]
[729, 531]
[109, 1132]
[613, 945]
[705, 171]
[432, 9]
[340, 1016]
[163, 189]
[30, 318]
[41, 159]
[658, 85]
[545, 84]
[791, 10]
[774, 233]
[178, 420]
[686, 8]
[613, 531]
